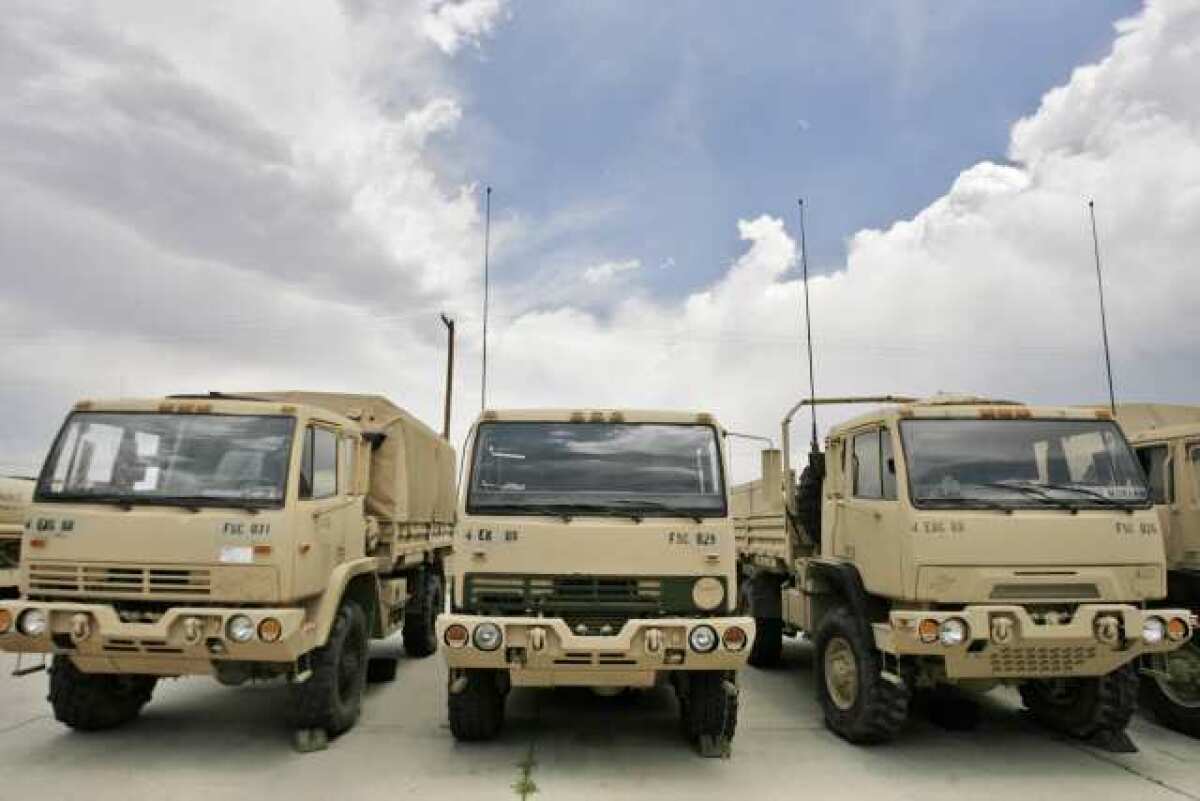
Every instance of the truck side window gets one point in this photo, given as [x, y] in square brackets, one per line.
[1153, 459]
[867, 474]
[318, 464]
[887, 464]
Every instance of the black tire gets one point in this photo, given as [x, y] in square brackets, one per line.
[477, 711]
[420, 618]
[767, 648]
[706, 708]
[381, 669]
[96, 701]
[331, 699]
[1173, 709]
[867, 709]
[1083, 707]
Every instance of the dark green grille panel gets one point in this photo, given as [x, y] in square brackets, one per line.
[581, 597]
[10, 553]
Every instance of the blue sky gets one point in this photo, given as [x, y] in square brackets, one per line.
[653, 125]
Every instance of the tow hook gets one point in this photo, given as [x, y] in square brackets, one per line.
[458, 684]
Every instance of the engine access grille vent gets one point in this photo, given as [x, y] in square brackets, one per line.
[118, 580]
[581, 598]
[1080, 591]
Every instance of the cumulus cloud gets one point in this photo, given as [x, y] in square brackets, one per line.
[225, 194]
[248, 199]
[452, 23]
[991, 288]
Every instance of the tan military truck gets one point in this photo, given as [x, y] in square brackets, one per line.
[1166, 439]
[15, 495]
[595, 549]
[959, 544]
[242, 536]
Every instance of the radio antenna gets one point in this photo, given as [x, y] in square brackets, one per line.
[487, 243]
[812, 384]
[1112, 398]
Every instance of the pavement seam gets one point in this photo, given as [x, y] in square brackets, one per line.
[16, 726]
[1133, 771]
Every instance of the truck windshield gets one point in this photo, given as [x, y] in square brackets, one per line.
[1065, 463]
[639, 469]
[193, 459]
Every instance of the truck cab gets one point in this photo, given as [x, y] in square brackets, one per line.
[224, 535]
[595, 549]
[960, 542]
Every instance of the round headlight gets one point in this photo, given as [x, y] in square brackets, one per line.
[240, 628]
[488, 637]
[702, 639]
[953, 631]
[1153, 630]
[33, 622]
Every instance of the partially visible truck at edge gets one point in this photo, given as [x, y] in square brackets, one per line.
[959, 544]
[594, 549]
[15, 497]
[1166, 439]
[244, 536]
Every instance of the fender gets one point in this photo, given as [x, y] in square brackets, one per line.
[325, 609]
[844, 580]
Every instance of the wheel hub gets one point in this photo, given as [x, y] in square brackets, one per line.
[841, 673]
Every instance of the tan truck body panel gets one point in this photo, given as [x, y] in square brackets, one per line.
[16, 494]
[979, 565]
[203, 565]
[660, 555]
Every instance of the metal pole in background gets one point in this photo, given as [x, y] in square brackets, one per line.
[1112, 397]
[487, 242]
[812, 384]
[449, 375]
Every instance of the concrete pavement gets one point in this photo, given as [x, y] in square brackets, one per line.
[198, 740]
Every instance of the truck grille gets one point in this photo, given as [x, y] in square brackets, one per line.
[1055, 592]
[591, 599]
[10, 554]
[118, 581]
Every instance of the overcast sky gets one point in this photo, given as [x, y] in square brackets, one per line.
[232, 195]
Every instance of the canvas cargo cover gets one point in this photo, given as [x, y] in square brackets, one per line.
[412, 469]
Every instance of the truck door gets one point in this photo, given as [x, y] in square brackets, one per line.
[1156, 460]
[326, 511]
[870, 537]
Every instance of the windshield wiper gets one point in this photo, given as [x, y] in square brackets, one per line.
[1091, 493]
[656, 505]
[534, 509]
[965, 503]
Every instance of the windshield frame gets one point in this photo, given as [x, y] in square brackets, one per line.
[187, 501]
[540, 509]
[1028, 502]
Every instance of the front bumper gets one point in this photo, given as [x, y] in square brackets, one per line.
[544, 652]
[184, 641]
[1007, 642]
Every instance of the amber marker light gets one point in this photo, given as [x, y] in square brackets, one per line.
[456, 635]
[734, 638]
[270, 630]
[5, 621]
[927, 630]
[1177, 629]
